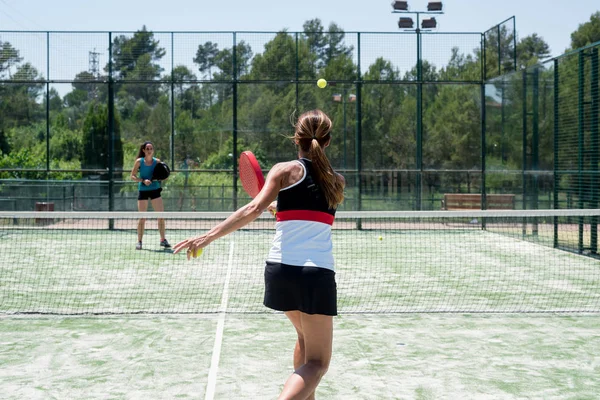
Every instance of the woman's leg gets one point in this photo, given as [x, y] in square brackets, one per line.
[299, 352]
[142, 206]
[157, 205]
[294, 317]
[316, 344]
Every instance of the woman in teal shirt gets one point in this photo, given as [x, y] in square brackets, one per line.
[148, 190]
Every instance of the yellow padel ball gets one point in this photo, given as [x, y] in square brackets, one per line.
[196, 253]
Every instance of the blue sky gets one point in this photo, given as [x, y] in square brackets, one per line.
[550, 19]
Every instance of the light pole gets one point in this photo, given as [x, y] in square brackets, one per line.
[406, 23]
[341, 98]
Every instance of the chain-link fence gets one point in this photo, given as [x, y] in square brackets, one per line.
[542, 139]
[416, 116]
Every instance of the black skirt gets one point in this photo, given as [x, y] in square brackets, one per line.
[311, 290]
[149, 194]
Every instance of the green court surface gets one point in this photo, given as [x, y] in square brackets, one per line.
[401, 356]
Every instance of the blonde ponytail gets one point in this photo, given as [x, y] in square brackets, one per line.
[312, 133]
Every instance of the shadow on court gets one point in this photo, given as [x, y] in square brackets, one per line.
[158, 250]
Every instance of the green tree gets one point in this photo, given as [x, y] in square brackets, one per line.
[325, 47]
[335, 43]
[9, 57]
[75, 98]
[65, 144]
[84, 81]
[205, 57]
[461, 67]
[22, 158]
[499, 43]
[92, 86]
[96, 140]
[126, 54]
[316, 41]
[531, 50]
[4, 146]
[223, 60]
[152, 123]
[587, 33]
[137, 58]
[278, 61]
[388, 134]
[20, 105]
[223, 159]
[181, 78]
[54, 101]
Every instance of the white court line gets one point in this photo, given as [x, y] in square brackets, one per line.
[216, 354]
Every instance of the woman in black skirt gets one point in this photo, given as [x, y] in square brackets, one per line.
[300, 278]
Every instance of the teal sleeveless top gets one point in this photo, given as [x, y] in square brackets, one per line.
[146, 173]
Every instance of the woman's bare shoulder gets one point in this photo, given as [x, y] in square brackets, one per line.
[285, 168]
[290, 165]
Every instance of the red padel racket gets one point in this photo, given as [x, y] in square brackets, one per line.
[250, 174]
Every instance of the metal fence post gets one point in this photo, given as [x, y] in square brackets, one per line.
[111, 133]
[556, 159]
[47, 105]
[535, 146]
[595, 146]
[580, 138]
[419, 155]
[235, 123]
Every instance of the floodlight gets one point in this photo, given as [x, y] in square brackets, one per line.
[400, 5]
[429, 23]
[434, 6]
[405, 23]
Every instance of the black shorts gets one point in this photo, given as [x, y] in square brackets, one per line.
[149, 194]
[311, 290]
